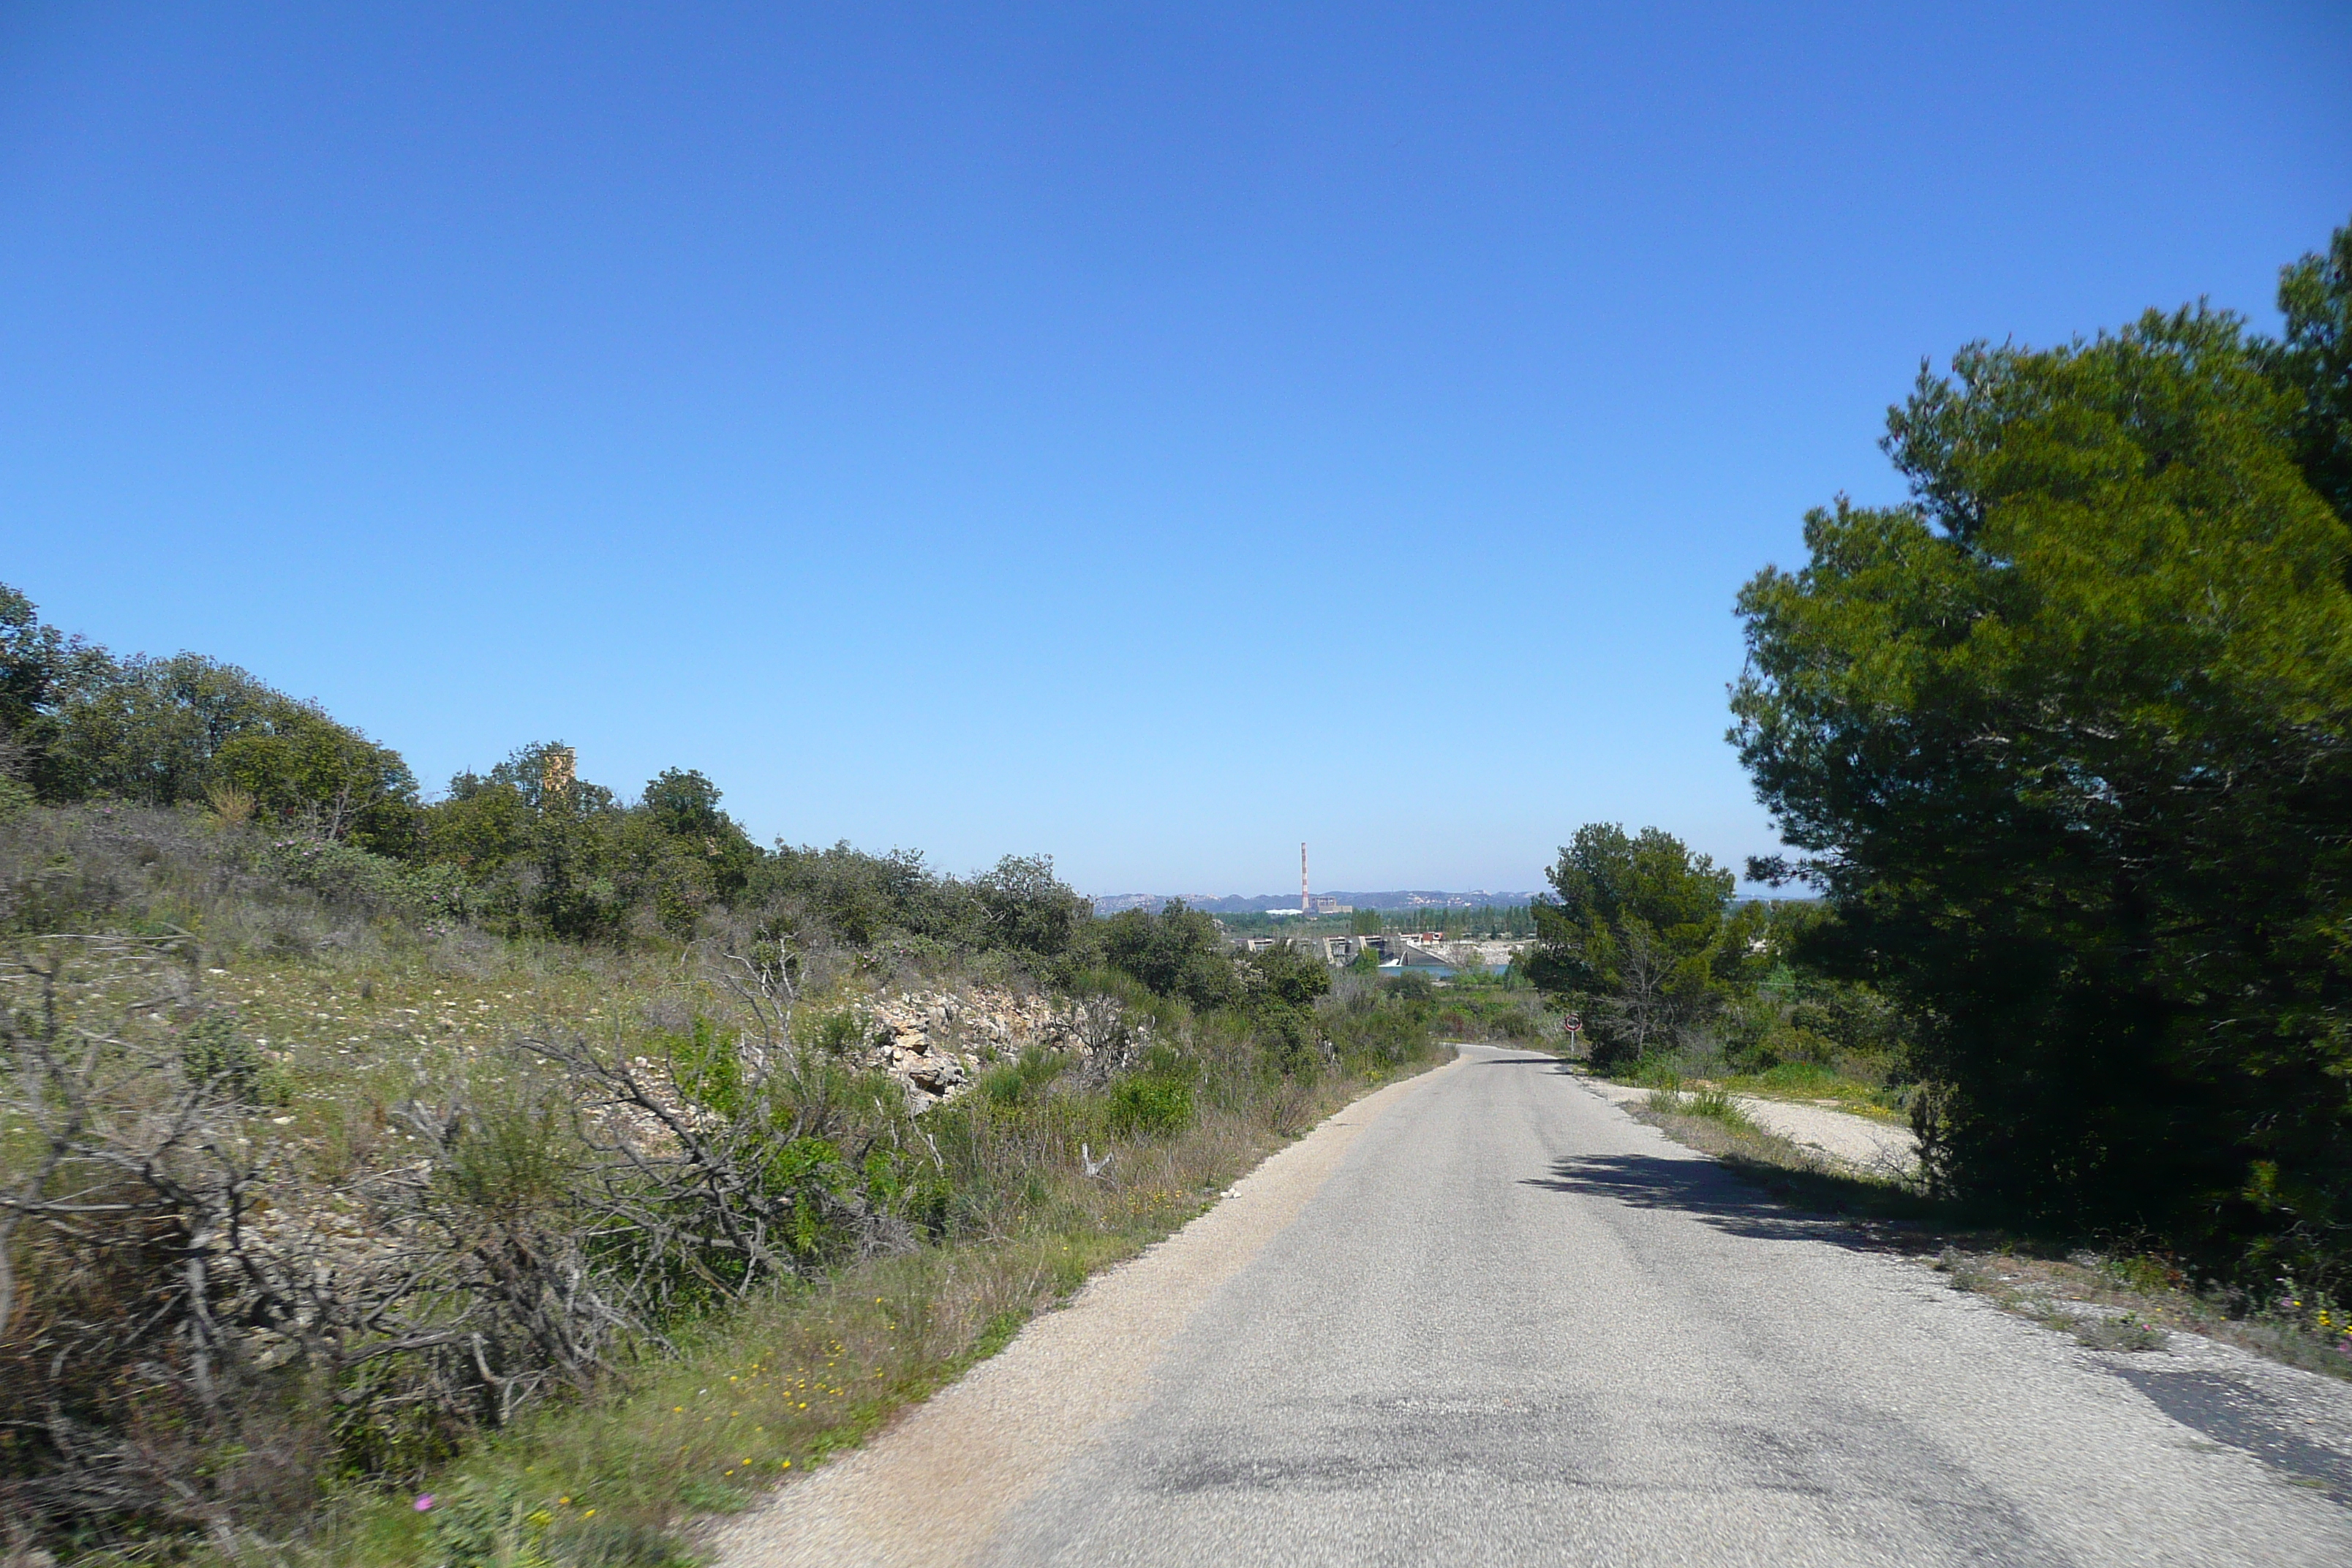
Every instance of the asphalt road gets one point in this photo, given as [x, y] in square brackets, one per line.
[1510, 1325]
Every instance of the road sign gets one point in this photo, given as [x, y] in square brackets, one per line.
[1575, 1023]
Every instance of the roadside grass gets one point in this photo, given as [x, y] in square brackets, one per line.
[2063, 1298]
[766, 1394]
[1711, 1122]
[1811, 1083]
[1803, 1082]
[755, 1398]
[2111, 1293]
[2132, 1299]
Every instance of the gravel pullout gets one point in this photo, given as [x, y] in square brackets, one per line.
[931, 1490]
[1881, 1148]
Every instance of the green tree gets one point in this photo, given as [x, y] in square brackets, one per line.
[37, 665]
[1029, 910]
[862, 900]
[559, 858]
[1640, 935]
[2067, 742]
[34, 661]
[479, 827]
[305, 770]
[1179, 953]
[2314, 362]
[163, 732]
[684, 805]
[1286, 975]
[1279, 986]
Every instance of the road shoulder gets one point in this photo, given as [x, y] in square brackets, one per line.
[931, 1489]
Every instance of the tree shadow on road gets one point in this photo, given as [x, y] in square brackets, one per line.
[1744, 1180]
[1750, 1198]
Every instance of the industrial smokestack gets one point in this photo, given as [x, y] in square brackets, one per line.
[1305, 907]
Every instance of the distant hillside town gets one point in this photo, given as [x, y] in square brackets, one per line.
[1335, 903]
[1436, 952]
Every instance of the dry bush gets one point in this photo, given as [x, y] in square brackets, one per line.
[143, 868]
[196, 1329]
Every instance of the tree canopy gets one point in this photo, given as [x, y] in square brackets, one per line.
[1177, 952]
[1640, 933]
[2067, 742]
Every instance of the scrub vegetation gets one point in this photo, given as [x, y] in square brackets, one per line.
[505, 1179]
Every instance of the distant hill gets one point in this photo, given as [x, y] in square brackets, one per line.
[1237, 904]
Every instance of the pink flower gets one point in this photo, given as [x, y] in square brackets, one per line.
[425, 1503]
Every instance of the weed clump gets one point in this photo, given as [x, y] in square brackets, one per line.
[1707, 1104]
[2124, 1332]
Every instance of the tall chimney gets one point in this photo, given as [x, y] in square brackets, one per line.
[1305, 908]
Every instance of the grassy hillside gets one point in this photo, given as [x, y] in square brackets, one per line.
[324, 1199]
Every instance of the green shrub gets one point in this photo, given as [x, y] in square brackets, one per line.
[1711, 1104]
[836, 1034]
[1813, 1080]
[344, 874]
[1287, 1036]
[1715, 1106]
[1411, 986]
[708, 1066]
[1177, 952]
[484, 1527]
[212, 1052]
[1377, 1037]
[1150, 1105]
[1023, 1082]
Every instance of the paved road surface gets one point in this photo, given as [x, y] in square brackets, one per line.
[1510, 1325]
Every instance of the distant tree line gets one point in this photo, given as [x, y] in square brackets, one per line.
[1457, 922]
[524, 849]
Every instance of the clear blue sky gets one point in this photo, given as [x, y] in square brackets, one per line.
[1150, 435]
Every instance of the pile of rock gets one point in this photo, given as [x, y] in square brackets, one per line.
[938, 1043]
